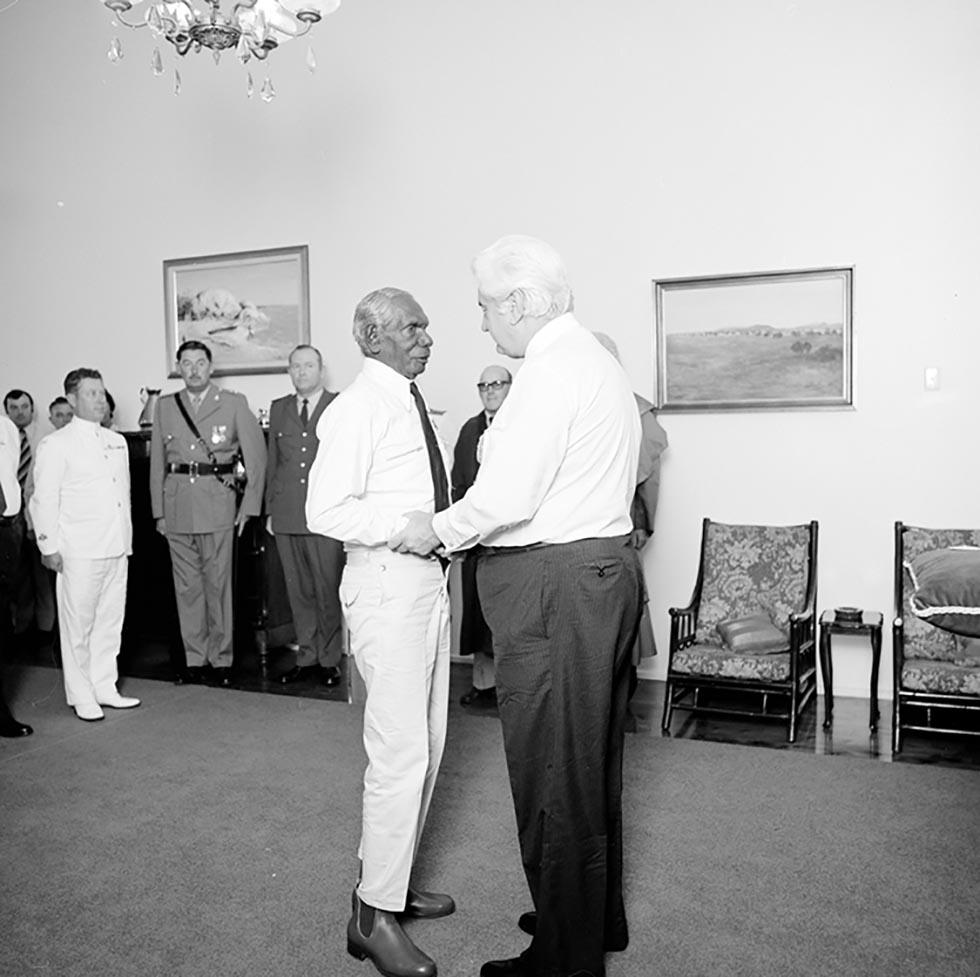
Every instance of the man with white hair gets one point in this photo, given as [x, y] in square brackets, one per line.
[560, 588]
[379, 456]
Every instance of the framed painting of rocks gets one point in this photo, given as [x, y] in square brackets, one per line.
[249, 308]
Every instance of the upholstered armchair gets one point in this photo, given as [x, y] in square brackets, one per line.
[936, 670]
[746, 643]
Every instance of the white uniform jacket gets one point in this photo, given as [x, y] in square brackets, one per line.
[80, 505]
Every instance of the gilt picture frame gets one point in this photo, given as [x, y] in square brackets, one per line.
[779, 340]
[250, 308]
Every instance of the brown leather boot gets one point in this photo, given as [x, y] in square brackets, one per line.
[377, 935]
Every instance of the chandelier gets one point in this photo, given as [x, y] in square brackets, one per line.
[253, 28]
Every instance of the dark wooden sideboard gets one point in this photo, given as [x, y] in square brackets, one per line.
[151, 644]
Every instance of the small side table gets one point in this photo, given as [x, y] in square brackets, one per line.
[870, 624]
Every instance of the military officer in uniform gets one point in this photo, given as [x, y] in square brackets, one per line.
[195, 504]
[311, 563]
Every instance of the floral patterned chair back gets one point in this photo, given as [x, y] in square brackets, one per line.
[751, 570]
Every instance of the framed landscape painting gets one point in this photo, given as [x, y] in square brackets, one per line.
[771, 341]
[249, 308]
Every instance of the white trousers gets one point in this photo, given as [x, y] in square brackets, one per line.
[91, 606]
[397, 610]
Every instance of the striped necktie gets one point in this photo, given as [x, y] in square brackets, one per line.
[24, 465]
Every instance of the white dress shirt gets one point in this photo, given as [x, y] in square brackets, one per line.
[80, 506]
[9, 459]
[372, 465]
[559, 461]
[311, 401]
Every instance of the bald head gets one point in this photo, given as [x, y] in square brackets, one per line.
[494, 385]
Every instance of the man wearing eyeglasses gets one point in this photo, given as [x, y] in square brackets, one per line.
[474, 634]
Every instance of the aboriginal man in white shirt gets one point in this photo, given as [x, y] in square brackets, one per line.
[379, 457]
[561, 591]
[80, 508]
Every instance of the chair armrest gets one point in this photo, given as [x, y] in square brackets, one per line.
[683, 622]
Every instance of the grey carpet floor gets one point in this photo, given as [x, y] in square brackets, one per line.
[213, 832]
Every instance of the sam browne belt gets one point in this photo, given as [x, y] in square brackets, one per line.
[194, 469]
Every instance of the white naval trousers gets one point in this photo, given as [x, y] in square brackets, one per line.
[91, 606]
[397, 611]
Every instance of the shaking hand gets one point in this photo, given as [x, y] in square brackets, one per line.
[416, 536]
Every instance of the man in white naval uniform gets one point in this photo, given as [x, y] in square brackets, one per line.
[379, 456]
[81, 514]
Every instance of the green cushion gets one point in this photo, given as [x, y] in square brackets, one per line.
[755, 633]
[946, 586]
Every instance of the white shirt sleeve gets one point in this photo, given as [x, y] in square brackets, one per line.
[45, 502]
[9, 458]
[519, 464]
[335, 502]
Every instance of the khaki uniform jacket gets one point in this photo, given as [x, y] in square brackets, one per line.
[291, 454]
[204, 504]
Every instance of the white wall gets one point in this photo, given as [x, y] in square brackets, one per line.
[644, 138]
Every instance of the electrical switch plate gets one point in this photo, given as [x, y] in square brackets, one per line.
[931, 378]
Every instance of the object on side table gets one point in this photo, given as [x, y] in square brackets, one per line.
[848, 615]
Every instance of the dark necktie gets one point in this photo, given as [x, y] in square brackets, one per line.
[24, 465]
[3, 501]
[304, 414]
[439, 481]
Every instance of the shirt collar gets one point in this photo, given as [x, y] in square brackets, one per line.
[311, 399]
[551, 333]
[389, 380]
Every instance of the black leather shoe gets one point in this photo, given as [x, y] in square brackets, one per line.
[428, 905]
[479, 697]
[296, 673]
[528, 923]
[221, 678]
[330, 676]
[194, 675]
[13, 729]
[514, 967]
[377, 935]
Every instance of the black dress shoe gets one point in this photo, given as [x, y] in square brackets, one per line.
[295, 674]
[221, 678]
[330, 676]
[528, 923]
[479, 696]
[427, 905]
[514, 967]
[193, 675]
[13, 729]
[378, 936]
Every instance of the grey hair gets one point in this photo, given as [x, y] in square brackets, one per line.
[377, 308]
[526, 271]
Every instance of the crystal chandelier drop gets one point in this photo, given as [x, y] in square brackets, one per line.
[252, 28]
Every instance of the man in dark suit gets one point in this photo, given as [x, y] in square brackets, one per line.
[474, 634]
[195, 504]
[311, 563]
